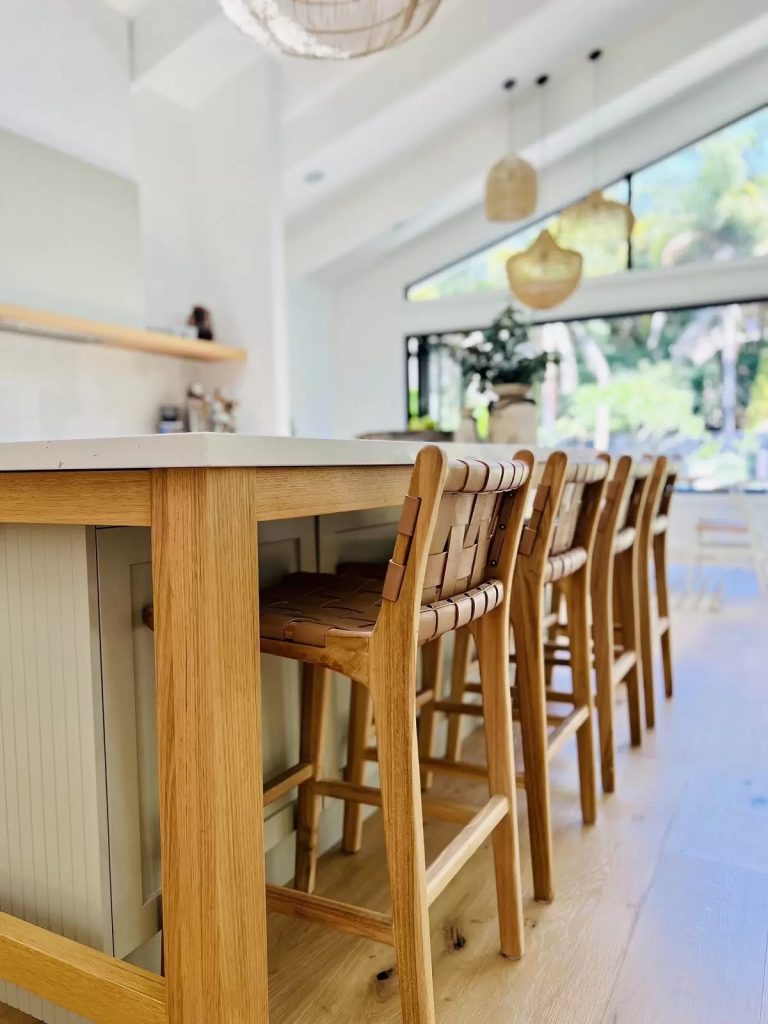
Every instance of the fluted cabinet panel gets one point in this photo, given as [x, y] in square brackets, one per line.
[52, 792]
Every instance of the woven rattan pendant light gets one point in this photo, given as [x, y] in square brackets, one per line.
[545, 274]
[511, 189]
[611, 217]
[330, 29]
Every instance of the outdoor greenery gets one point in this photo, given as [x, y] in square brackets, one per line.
[503, 354]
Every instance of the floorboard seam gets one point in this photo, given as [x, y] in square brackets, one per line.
[643, 901]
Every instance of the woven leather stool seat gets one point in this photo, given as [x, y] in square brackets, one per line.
[565, 564]
[305, 608]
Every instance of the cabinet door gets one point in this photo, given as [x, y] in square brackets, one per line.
[127, 652]
[356, 537]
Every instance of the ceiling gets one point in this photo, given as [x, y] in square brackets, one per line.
[414, 126]
[128, 8]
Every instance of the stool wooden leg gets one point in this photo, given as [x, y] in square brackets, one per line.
[662, 594]
[626, 586]
[360, 719]
[577, 600]
[526, 613]
[431, 679]
[404, 835]
[602, 633]
[646, 636]
[314, 714]
[459, 671]
[492, 639]
[552, 630]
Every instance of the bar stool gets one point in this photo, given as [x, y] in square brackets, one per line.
[653, 557]
[615, 608]
[455, 552]
[556, 547]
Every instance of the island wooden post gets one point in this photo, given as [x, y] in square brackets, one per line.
[205, 581]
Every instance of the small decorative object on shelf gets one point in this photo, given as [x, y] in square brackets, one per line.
[545, 274]
[330, 29]
[502, 367]
[210, 413]
[171, 420]
[200, 319]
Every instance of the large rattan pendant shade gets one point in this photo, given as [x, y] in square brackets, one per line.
[612, 218]
[545, 274]
[330, 29]
[511, 190]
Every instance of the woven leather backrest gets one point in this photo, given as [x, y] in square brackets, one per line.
[669, 488]
[635, 495]
[573, 508]
[467, 543]
[565, 503]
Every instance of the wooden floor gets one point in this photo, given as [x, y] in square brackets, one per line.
[661, 911]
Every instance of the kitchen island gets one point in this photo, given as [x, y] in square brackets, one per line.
[92, 531]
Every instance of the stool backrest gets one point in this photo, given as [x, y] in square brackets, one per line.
[565, 507]
[625, 496]
[656, 495]
[668, 488]
[637, 494]
[460, 526]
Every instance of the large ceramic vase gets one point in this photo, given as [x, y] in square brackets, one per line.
[513, 417]
[466, 432]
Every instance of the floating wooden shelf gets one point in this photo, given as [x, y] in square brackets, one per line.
[74, 328]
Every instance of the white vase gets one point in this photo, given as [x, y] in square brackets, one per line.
[514, 416]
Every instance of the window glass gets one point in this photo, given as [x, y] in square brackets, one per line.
[690, 383]
[486, 270]
[706, 202]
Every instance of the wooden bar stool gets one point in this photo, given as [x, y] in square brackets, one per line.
[456, 546]
[615, 608]
[556, 547]
[653, 557]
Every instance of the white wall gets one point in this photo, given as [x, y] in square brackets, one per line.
[55, 389]
[69, 234]
[70, 243]
[310, 313]
[212, 227]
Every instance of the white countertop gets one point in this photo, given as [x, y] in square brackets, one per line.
[155, 451]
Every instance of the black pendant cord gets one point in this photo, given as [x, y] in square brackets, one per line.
[541, 82]
[509, 86]
[594, 58]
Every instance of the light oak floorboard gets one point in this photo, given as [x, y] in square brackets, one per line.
[698, 952]
[661, 912]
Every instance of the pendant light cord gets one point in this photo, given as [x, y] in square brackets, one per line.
[509, 85]
[594, 57]
[541, 81]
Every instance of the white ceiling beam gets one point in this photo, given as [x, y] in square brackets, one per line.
[445, 175]
[188, 50]
[636, 291]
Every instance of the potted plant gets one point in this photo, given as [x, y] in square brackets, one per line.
[501, 367]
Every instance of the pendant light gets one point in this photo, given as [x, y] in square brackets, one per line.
[545, 274]
[330, 29]
[611, 217]
[511, 188]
